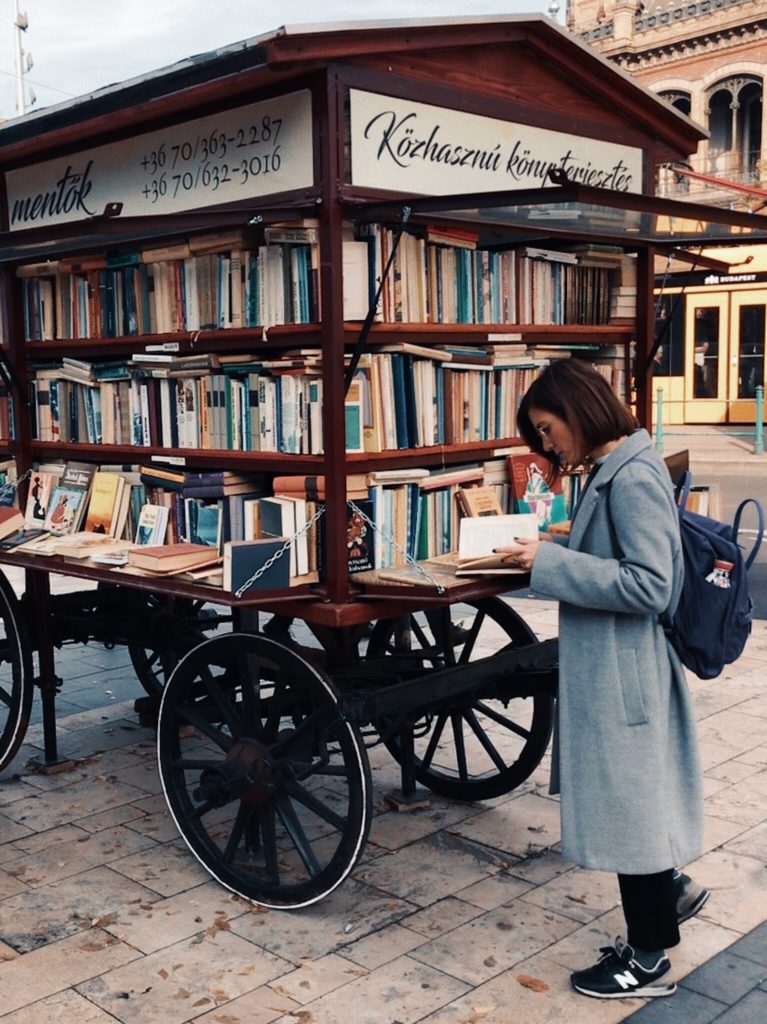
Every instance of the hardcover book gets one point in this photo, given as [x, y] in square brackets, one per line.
[359, 538]
[478, 501]
[533, 492]
[170, 558]
[11, 521]
[243, 558]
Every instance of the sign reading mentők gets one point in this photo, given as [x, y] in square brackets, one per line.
[251, 151]
[415, 147]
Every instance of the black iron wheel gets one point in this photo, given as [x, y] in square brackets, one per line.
[16, 675]
[268, 786]
[174, 626]
[476, 746]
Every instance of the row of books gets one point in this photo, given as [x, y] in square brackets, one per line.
[392, 515]
[406, 397]
[227, 281]
[172, 289]
[443, 277]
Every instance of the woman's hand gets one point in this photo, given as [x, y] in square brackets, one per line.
[522, 554]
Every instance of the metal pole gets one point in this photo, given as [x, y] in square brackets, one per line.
[759, 425]
[659, 420]
[20, 24]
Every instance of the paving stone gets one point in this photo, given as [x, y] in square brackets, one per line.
[680, 1008]
[41, 916]
[182, 981]
[431, 869]
[60, 966]
[753, 946]
[61, 1007]
[726, 977]
[489, 945]
[751, 1009]
[402, 990]
[167, 868]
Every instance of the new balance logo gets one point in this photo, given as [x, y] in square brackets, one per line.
[626, 980]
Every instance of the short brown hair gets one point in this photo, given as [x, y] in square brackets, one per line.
[578, 394]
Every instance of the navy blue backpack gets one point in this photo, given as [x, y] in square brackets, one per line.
[711, 625]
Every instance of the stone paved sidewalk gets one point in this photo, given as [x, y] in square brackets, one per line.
[457, 914]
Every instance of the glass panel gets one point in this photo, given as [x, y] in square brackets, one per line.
[669, 330]
[750, 350]
[706, 340]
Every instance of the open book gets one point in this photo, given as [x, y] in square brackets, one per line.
[479, 536]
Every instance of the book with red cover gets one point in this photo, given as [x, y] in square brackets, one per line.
[533, 491]
[164, 558]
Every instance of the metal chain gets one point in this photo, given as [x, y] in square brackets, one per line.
[390, 540]
[279, 553]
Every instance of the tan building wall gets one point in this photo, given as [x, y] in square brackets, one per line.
[709, 60]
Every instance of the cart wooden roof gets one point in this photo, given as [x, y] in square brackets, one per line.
[526, 62]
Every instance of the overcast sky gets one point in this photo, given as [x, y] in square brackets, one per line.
[80, 45]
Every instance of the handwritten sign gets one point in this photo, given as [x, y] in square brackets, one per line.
[250, 151]
[415, 147]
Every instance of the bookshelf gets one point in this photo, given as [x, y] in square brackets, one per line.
[224, 210]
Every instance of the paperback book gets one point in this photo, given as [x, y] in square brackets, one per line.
[66, 507]
[534, 492]
[480, 536]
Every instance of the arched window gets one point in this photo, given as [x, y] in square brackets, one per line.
[749, 126]
[735, 124]
[720, 121]
[678, 99]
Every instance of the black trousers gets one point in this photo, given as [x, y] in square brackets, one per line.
[649, 906]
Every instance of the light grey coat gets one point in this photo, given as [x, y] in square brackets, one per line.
[626, 751]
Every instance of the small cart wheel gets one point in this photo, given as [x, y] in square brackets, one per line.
[16, 675]
[180, 625]
[268, 785]
[476, 746]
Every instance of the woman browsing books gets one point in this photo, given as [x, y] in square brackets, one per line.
[626, 759]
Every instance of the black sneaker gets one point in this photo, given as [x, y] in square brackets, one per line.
[618, 975]
[690, 897]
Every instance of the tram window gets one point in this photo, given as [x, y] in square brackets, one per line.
[751, 350]
[669, 330]
[706, 355]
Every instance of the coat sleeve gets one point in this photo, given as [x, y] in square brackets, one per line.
[639, 578]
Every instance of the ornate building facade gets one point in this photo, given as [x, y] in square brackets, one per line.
[706, 57]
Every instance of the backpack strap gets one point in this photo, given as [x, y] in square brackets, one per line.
[760, 528]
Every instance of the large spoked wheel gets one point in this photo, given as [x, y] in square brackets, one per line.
[177, 624]
[16, 676]
[476, 746]
[268, 786]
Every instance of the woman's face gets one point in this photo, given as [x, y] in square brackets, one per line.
[558, 436]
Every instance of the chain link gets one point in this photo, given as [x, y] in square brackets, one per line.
[390, 540]
[279, 553]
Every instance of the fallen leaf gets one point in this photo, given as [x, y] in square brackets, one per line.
[490, 961]
[577, 899]
[100, 922]
[302, 1016]
[535, 984]
[479, 1013]
[182, 994]
[201, 1002]
[534, 828]
[163, 973]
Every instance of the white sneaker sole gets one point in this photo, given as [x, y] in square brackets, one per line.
[644, 992]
